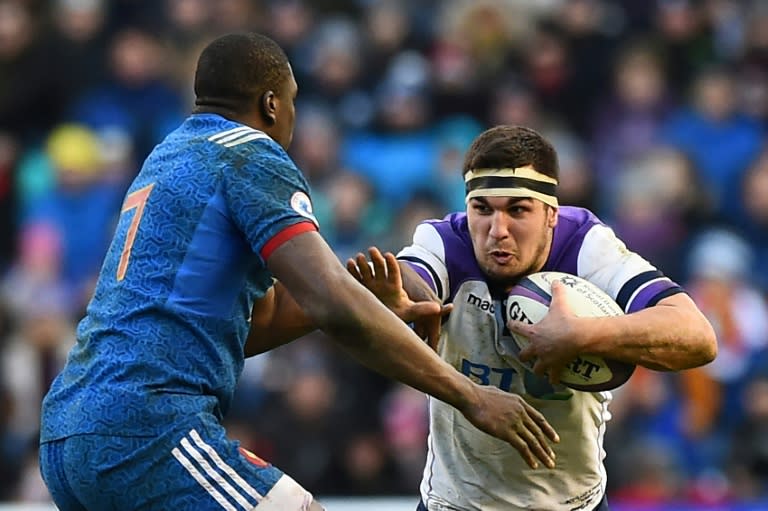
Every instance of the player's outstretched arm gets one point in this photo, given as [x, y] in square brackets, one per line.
[370, 332]
[277, 319]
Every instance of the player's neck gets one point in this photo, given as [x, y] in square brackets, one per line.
[251, 120]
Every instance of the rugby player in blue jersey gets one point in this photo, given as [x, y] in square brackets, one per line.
[513, 226]
[217, 255]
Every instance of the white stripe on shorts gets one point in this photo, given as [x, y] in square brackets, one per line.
[242, 483]
[215, 476]
[211, 477]
[186, 463]
[285, 495]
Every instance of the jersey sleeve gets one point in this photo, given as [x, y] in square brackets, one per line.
[267, 197]
[426, 255]
[630, 279]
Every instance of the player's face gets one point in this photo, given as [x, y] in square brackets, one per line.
[511, 236]
[286, 114]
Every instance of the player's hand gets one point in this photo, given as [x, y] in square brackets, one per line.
[511, 418]
[553, 341]
[383, 278]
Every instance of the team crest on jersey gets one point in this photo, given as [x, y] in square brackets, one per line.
[252, 458]
[302, 205]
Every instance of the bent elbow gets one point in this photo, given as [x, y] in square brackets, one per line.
[707, 346]
[710, 350]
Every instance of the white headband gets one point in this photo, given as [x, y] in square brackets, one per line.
[508, 182]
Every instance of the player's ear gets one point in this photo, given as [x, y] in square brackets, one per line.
[551, 216]
[268, 106]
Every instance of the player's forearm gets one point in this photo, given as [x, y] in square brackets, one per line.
[381, 341]
[671, 336]
[276, 319]
[340, 306]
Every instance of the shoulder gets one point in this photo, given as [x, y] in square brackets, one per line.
[450, 232]
[245, 142]
[581, 235]
[577, 218]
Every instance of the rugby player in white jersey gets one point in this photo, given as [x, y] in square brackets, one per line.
[513, 226]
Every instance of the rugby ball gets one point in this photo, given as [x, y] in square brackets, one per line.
[529, 301]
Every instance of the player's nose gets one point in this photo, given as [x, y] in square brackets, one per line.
[498, 227]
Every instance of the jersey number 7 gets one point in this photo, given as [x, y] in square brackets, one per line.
[136, 200]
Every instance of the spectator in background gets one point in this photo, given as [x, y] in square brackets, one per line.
[628, 121]
[748, 458]
[754, 219]
[77, 48]
[684, 38]
[720, 141]
[81, 205]
[28, 104]
[316, 145]
[136, 96]
[353, 216]
[34, 352]
[398, 155]
[655, 206]
[332, 69]
[720, 285]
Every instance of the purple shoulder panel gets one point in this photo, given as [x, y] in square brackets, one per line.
[459, 255]
[572, 226]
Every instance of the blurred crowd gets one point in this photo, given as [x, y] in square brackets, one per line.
[658, 110]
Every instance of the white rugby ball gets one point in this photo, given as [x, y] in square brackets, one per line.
[529, 301]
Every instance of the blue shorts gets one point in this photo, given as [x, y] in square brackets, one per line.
[192, 466]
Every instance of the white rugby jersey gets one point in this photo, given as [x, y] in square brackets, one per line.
[467, 469]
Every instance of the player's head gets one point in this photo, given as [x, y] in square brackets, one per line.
[510, 175]
[247, 77]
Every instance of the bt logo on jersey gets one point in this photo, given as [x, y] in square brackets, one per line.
[500, 377]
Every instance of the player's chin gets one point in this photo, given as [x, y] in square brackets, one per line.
[503, 273]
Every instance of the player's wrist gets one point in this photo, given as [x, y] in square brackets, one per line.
[466, 396]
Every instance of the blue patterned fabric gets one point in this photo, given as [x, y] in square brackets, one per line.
[164, 333]
[193, 466]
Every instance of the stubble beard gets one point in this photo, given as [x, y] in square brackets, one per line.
[507, 279]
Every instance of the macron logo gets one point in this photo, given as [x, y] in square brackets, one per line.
[483, 305]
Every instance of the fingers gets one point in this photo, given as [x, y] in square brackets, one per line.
[366, 272]
[353, 270]
[554, 375]
[537, 447]
[539, 419]
[393, 270]
[522, 447]
[536, 433]
[379, 264]
[559, 296]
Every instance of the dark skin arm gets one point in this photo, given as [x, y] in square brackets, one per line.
[276, 319]
[376, 337]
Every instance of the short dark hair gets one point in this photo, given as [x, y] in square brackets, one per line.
[511, 147]
[235, 70]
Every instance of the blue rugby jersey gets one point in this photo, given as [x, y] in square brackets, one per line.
[164, 333]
